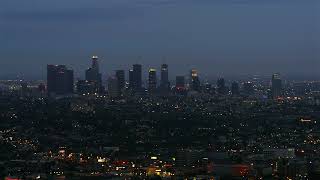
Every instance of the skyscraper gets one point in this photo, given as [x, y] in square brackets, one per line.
[276, 88]
[95, 63]
[137, 77]
[121, 79]
[164, 84]
[235, 88]
[207, 88]
[248, 88]
[93, 74]
[194, 80]
[59, 80]
[152, 81]
[221, 86]
[180, 82]
[131, 82]
[113, 90]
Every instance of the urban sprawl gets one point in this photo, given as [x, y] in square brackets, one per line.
[187, 128]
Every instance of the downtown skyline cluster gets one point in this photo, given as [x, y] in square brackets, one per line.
[160, 89]
[61, 81]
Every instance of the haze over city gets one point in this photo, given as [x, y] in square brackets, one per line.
[160, 89]
[227, 37]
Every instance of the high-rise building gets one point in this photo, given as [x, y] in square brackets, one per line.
[113, 90]
[137, 77]
[221, 86]
[59, 80]
[235, 90]
[180, 82]
[93, 74]
[276, 88]
[152, 81]
[164, 84]
[121, 79]
[248, 88]
[131, 82]
[194, 80]
[208, 88]
[95, 63]
[180, 85]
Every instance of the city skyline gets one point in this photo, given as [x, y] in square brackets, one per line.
[160, 89]
[103, 77]
[142, 74]
[60, 81]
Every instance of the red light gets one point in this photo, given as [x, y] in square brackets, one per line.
[8, 178]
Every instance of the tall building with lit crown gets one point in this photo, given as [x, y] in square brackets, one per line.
[248, 88]
[152, 81]
[164, 83]
[276, 86]
[59, 80]
[131, 82]
[95, 63]
[194, 80]
[93, 74]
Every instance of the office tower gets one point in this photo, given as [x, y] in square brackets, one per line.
[164, 84]
[131, 82]
[59, 80]
[137, 77]
[248, 88]
[121, 79]
[235, 88]
[85, 87]
[276, 88]
[180, 82]
[113, 85]
[152, 81]
[208, 88]
[194, 80]
[93, 74]
[221, 86]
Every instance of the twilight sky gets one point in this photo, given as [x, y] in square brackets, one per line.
[218, 37]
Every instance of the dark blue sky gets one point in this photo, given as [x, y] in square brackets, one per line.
[218, 37]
